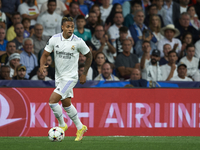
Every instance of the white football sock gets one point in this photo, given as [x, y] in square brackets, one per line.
[57, 110]
[73, 115]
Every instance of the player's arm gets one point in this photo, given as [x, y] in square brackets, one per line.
[87, 66]
[43, 61]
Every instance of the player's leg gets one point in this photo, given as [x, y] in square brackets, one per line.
[73, 115]
[57, 109]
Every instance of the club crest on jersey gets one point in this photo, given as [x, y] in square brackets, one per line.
[73, 47]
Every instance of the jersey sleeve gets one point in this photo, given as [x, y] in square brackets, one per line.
[83, 48]
[50, 45]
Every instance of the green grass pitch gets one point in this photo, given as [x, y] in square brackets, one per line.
[101, 143]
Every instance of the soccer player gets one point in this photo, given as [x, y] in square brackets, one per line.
[66, 48]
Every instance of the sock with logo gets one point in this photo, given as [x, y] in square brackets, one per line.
[73, 115]
[57, 110]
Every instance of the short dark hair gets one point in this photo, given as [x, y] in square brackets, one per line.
[189, 45]
[4, 66]
[9, 43]
[135, 2]
[81, 65]
[73, 2]
[100, 53]
[146, 31]
[16, 13]
[172, 52]
[65, 19]
[123, 29]
[152, 5]
[98, 25]
[51, 1]
[25, 19]
[117, 13]
[145, 41]
[80, 17]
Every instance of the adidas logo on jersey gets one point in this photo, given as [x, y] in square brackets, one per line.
[57, 46]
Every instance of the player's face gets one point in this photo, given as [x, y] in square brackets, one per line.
[21, 73]
[68, 28]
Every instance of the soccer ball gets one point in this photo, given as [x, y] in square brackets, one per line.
[56, 134]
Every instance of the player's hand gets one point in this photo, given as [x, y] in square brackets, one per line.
[82, 79]
[42, 68]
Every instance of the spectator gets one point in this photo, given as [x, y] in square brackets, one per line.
[73, 11]
[151, 71]
[135, 5]
[96, 8]
[169, 32]
[50, 20]
[184, 26]
[125, 62]
[9, 8]
[182, 74]
[91, 21]
[16, 18]
[191, 62]
[20, 73]
[197, 6]
[82, 60]
[187, 39]
[83, 7]
[10, 49]
[100, 59]
[105, 9]
[51, 70]
[3, 41]
[136, 80]
[41, 76]
[2, 18]
[102, 44]
[39, 39]
[138, 26]
[26, 23]
[19, 30]
[155, 26]
[146, 36]
[82, 32]
[80, 69]
[166, 49]
[172, 12]
[153, 10]
[28, 10]
[183, 5]
[113, 31]
[197, 49]
[106, 73]
[161, 10]
[27, 57]
[170, 70]
[5, 73]
[14, 61]
[123, 34]
[60, 8]
[193, 19]
[115, 9]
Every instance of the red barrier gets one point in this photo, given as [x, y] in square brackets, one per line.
[144, 112]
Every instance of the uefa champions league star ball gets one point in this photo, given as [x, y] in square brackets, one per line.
[56, 134]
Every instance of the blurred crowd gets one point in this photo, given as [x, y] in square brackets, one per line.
[145, 40]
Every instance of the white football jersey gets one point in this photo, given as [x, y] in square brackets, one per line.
[66, 55]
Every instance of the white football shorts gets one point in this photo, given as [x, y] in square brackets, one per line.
[65, 88]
